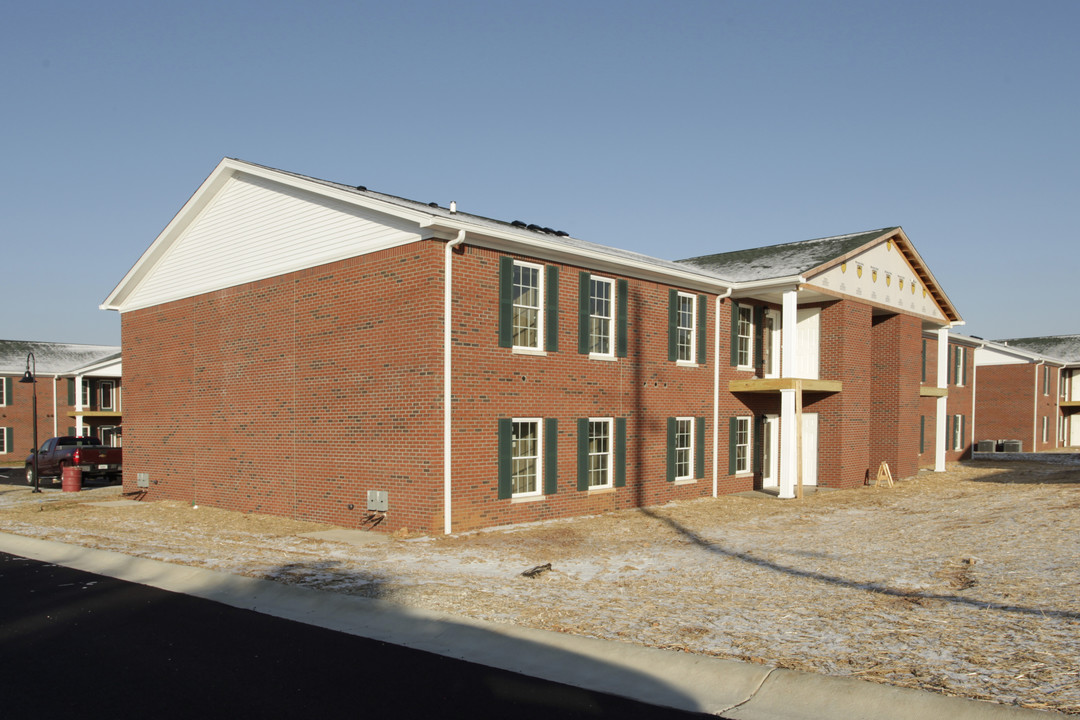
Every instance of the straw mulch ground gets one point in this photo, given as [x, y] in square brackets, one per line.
[965, 582]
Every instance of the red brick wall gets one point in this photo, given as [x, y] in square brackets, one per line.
[894, 400]
[959, 402]
[1005, 403]
[492, 382]
[294, 395]
[18, 414]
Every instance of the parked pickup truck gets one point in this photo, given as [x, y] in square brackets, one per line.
[95, 459]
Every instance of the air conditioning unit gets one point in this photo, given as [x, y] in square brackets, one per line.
[1012, 446]
[986, 446]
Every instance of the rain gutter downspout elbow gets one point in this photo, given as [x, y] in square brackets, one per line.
[716, 394]
[448, 375]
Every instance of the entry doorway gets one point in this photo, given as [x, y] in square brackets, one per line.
[770, 451]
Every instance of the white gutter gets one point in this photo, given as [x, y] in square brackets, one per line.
[448, 374]
[716, 398]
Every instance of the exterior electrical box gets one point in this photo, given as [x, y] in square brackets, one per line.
[377, 500]
[142, 480]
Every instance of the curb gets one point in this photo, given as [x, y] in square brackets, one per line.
[695, 683]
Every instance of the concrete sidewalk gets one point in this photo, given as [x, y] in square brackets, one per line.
[731, 689]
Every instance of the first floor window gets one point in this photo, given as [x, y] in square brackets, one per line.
[684, 448]
[600, 445]
[740, 445]
[6, 441]
[1046, 429]
[525, 461]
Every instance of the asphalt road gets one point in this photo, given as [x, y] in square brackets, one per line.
[74, 644]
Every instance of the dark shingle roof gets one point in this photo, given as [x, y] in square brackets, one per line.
[787, 259]
[1061, 347]
[50, 358]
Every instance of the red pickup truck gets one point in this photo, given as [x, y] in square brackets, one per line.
[87, 453]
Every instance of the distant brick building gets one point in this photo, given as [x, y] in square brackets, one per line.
[79, 391]
[289, 344]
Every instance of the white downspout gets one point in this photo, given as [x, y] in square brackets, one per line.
[716, 397]
[54, 408]
[447, 376]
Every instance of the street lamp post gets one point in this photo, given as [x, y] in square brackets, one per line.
[31, 377]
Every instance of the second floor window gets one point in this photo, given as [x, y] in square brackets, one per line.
[107, 401]
[527, 306]
[685, 323]
[601, 315]
[745, 335]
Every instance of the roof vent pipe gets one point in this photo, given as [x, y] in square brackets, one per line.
[453, 206]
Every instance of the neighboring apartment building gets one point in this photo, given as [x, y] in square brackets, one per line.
[946, 407]
[1026, 392]
[78, 393]
[289, 343]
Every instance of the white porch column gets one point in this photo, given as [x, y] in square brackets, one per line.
[79, 380]
[942, 402]
[789, 337]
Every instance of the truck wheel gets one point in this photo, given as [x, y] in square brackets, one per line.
[29, 474]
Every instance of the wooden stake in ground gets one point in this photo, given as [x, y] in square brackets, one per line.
[883, 473]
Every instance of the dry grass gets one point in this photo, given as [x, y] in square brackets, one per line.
[965, 582]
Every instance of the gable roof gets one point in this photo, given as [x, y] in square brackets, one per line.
[403, 221]
[51, 358]
[801, 261]
[1062, 347]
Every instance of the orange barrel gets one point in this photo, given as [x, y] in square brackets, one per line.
[71, 480]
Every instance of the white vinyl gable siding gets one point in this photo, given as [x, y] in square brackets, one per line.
[255, 229]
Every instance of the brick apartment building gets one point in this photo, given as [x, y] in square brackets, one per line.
[289, 343]
[1026, 392]
[79, 392]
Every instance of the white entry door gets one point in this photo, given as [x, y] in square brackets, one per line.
[1074, 430]
[808, 329]
[770, 451]
[809, 449]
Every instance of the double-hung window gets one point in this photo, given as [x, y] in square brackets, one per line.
[1046, 381]
[959, 365]
[106, 390]
[528, 306]
[601, 316]
[958, 432]
[1046, 429]
[526, 457]
[684, 448]
[600, 452]
[739, 445]
[5, 391]
[7, 443]
[745, 336]
[685, 325]
[86, 394]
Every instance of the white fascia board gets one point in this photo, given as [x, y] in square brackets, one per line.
[539, 247]
[780, 284]
[197, 203]
[988, 349]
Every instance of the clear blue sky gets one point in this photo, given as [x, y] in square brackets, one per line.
[671, 128]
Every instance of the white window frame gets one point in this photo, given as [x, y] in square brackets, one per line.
[957, 433]
[111, 385]
[684, 448]
[743, 428]
[1045, 429]
[538, 346]
[6, 439]
[771, 345]
[959, 358]
[606, 323]
[1063, 383]
[3, 392]
[686, 335]
[1046, 382]
[85, 393]
[745, 340]
[537, 459]
[605, 456]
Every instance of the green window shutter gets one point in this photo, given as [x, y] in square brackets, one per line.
[951, 371]
[759, 337]
[7, 442]
[924, 360]
[670, 449]
[963, 369]
[583, 454]
[551, 309]
[506, 432]
[733, 431]
[963, 431]
[699, 448]
[71, 430]
[622, 293]
[71, 391]
[759, 444]
[620, 452]
[673, 326]
[7, 391]
[702, 325]
[922, 434]
[551, 456]
[734, 334]
[584, 297]
[950, 421]
[506, 301]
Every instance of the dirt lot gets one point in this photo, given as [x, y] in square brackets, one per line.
[965, 582]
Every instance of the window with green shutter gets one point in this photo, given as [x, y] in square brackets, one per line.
[5, 392]
[7, 441]
[528, 305]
